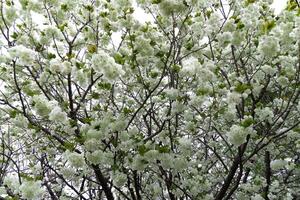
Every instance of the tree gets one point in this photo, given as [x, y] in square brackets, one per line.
[201, 102]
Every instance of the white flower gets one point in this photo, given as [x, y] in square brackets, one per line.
[11, 182]
[81, 77]
[249, 15]
[213, 23]
[172, 93]
[237, 135]
[41, 105]
[283, 81]
[103, 63]
[25, 56]
[264, 114]
[278, 164]
[66, 67]
[257, 89]
[11, 14]
[119, 125]
[58, 115]
[224, 38]
[257, 197]
[143, 46]
[76, 159]
[55, 66]
[167, 160]
[119, 179]
[180, 163]
[68, 172]
[237, 38]
[151, 155]
[230, 114]
[91, 145]
[259, 76]
[169, 6]
[233, 98]
[95, 157]
[93, 133]
[138, 163]
[20, 121]
[190, 66]
[31, 190]
[269, 46]
[2, 191]
[268, 70]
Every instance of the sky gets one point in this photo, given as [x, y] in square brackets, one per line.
[278, 5]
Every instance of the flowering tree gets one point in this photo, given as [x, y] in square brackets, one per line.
[201, 102]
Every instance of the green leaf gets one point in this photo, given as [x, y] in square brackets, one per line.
[176, 68]
[156, 1]
[268, 25]
[51, 56]
[80, 139]
[96, 95]
[163, 149]
[27, 90]
[247, 122]
[62, 26]
[69, 146]
[64, 7]
[13, 113]
[79, 65]
[119, 58]
[142, 150]
[127, 111]
[103, 14]
[104, 86]
[72, 122]
[297, 130]
[26, 176]
[189, 45]
[87, 120]
[292, 5]
[14, 35]
[8, 3]
[240, 88]
[240, 25]
[208, 13]
[115, 167]
[24, 3]
[202, 91]
[39, 47]
[92, 48]
[160, 54]
[69, 56]
[154, 74]
[89, 8]
[250, 2]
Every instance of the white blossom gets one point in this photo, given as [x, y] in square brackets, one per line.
[237, 135]
[265, 114]
[76, 159]
[269, 46]
[103, 63]
[278, 164]
[58, 115]
[32, 190]
[257, 197]
[24, 55]
[268, 70]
